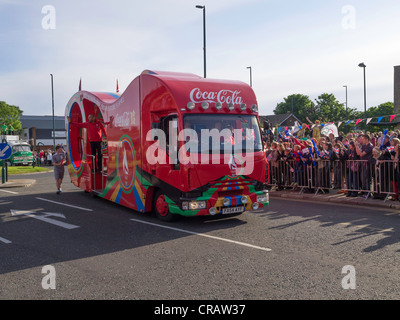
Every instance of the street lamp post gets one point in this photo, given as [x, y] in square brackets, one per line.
[347, 116]
[204, 36]
[52, 103]
[251, 77]
[362, 65]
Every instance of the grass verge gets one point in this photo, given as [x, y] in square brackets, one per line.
[27, 169]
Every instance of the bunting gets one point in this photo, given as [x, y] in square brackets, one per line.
[304, 125]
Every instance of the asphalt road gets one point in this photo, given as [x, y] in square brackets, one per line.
[98, 250]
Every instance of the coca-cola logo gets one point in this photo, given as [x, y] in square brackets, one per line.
[222, 96]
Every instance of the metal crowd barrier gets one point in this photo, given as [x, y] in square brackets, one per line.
[387, 178]
[353, 176]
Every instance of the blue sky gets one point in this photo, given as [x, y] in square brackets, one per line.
[308, 47]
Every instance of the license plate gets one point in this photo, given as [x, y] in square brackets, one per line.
[232, 210]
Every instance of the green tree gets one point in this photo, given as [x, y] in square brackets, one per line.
[326, 108]
[10, 115]
[299, 105]
[383, 110]
[329, 109]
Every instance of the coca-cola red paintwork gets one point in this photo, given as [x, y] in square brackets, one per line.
[129, 178]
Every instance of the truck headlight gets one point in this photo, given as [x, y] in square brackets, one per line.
[264, 197]
[193, 205]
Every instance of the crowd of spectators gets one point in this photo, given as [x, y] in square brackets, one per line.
[43, 157]
[358, 164]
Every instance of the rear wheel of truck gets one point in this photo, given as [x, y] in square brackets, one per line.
[161, 208]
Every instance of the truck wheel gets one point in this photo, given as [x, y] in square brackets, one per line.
[161, 209]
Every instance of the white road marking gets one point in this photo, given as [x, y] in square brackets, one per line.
[44, 218]
[5, 240]
[13, 192]
[204, 235]
[60, 215]
[64, 204]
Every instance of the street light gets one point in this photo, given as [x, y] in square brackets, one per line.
[52, 103]
[362, 65]
[251, 78]
[347, 116]
[204, 35]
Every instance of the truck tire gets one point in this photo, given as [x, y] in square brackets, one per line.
[160, 208]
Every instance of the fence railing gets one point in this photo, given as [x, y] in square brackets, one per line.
[353, 176]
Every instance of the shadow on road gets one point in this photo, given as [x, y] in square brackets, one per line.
[363, 222]
[104, 230]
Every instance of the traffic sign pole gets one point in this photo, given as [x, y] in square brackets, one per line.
[5, 153]
[3, 173]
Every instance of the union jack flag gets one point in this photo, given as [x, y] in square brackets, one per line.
[305, 151]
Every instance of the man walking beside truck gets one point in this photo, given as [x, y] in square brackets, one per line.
[58, 161]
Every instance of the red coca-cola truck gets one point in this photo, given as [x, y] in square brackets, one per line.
[175, 144]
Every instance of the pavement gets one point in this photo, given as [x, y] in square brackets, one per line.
[332, 196]
[17, 183]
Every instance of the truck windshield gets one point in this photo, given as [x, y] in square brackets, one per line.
[206, 133]
[19, 148]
